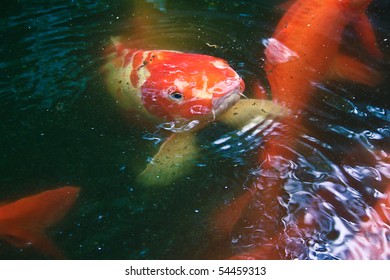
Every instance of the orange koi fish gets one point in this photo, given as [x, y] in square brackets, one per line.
[304, 49]
[23, 222]
[227, 218]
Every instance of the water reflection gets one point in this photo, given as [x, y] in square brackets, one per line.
[59, 128]
[323, 215]
[47, 52]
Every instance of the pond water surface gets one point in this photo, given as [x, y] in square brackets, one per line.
[59, 127]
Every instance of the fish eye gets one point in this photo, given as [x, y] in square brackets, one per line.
[177, 96]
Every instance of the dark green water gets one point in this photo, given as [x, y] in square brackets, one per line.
[58, 127]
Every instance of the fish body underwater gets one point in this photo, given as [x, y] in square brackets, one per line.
[23, 222]
[181, 93]
[305, 48]
[303, 52]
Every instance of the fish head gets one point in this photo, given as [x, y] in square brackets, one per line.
[185, 86]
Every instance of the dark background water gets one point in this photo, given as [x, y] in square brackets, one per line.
[58, 126]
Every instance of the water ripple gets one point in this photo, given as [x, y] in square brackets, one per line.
[57, 60]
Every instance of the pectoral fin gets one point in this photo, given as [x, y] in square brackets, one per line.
[345, 67]
[178, 154]
[366, 34]
[175, 158]
[249, 110]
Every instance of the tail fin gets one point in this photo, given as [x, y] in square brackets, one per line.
[351, 69]
[367, 36]
[23, 222]
[227, 217]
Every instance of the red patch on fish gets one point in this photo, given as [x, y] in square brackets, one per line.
[171, 85]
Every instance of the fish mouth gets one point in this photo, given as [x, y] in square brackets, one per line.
[221, 104]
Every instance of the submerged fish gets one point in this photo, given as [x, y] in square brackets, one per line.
[23, 222]
[180, 92]
[304, 49]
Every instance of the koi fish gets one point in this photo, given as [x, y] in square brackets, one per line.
[181, 92]
[23, 222]
[304, 49]
[227, 218]
[162, 86]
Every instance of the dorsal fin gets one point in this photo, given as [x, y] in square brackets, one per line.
[365, 32]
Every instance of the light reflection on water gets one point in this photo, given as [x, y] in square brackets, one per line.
[59, 128]
[47, 52]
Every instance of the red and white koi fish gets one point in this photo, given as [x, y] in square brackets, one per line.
[304, 49]
[23, 222]
[160, 86]
[181, 90]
